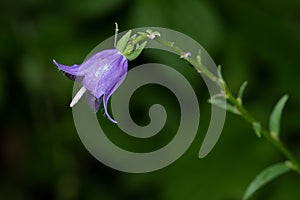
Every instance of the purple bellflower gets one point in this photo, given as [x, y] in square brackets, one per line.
[102, 73]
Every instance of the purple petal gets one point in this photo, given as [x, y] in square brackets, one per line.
[67, 69]
[99, 80]
[92, 62]
[105, 100]
[101, 74]
[97, 60]
[101, 55]
[93, 102]
[114, 77]
[73, 77]
[70, 76]
[121, 78]
[107, 95]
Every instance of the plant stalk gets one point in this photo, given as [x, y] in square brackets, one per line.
[244, 113]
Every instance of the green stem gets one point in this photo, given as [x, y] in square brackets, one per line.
[198, 66]
[244, 113]
[265, 133]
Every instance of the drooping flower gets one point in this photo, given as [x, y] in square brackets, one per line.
[102, 73]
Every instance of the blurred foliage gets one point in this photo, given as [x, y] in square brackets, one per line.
[42, 156]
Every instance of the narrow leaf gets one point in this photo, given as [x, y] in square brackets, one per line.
[121, 45]
[133, 37]
[257, 129]
[274, 124]
[224, 105]
[241, 91]
[133, 55]
[220, 72]
[264, 177]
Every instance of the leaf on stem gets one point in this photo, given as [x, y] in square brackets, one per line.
[221, 103]
[274, 123]
[138, 50]
[121, 45]
[264, 177]
[220, 72]
[241, 92]
[257, 129]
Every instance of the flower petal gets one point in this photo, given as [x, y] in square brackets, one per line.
[70, 76]
[101, 74]
[101, 78]
[88, 64]
[121, 78]
[107, 95]
[105, 101]
[93, 102]
[92, 64]
[73, 77]
[67, 69]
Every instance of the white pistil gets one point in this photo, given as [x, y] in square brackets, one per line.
[77, 96]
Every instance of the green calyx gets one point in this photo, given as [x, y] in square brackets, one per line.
[129, 44]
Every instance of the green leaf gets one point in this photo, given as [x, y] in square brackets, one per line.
[139, 48]
[221, 103]
[133, 37]
[241, 91]
[121, 45]
[257, 129]
[264, 177]
[220, 72]
[128, 50]
[274, 124]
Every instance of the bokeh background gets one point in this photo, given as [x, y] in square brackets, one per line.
[41, 155]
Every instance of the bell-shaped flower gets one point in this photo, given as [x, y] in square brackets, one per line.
[102, 73]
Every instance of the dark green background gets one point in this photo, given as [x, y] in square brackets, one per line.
[42, 156]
